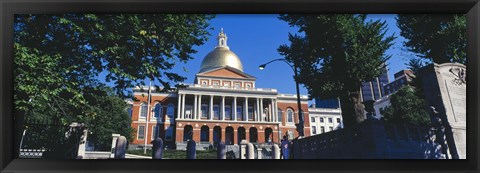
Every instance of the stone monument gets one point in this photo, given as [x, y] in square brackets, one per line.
[445, 89]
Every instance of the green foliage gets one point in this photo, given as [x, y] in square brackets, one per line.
[440, 38]
[108, 115]
[406, 108]
[337, 54]
[59, 58]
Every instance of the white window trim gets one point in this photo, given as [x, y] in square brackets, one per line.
[206, 110]
[172, 111]
[293, 116]
[138, 132]
[154, 115]
[154, 128]
[140, 117]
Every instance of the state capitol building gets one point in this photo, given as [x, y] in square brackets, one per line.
[224, 105]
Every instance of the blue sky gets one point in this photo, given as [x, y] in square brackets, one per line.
[255, 39]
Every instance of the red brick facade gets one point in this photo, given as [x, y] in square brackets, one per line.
[249, 128]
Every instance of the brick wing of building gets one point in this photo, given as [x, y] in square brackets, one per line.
[223, 104]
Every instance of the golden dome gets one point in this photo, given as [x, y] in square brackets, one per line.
[221, 56]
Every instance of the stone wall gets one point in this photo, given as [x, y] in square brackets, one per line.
[370, 140]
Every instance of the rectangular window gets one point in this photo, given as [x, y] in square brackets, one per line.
[321, 119]
[154, 132]
[141, 132]
[330, 120]
[143, 110]
[228, 112]
[322, 129]
[338, 120]
[250, 112]
[239, 113]
[169, 133]
[314, 130]
[204, 110]
[216, 112]
[215, 83]
[312, 119]
[188, 111]
[290, 135]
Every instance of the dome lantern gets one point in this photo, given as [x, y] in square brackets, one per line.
[221, 56]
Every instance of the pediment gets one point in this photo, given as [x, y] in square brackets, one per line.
[226, 72]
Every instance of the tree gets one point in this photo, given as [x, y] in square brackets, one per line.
[108, 115]
[337, 54]
[59, 58]
[406, 108]
[440, 38]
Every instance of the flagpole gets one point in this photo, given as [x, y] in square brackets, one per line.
[148, 117]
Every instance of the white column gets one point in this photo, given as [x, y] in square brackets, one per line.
[234, 111]
[223, 108]
[195, 107]
[183, 105]
[211, 107]
[199, 107]
[276, 111]
[246, 109]
[261, 110]
[179, 115]
[269, 117]
[257, 118]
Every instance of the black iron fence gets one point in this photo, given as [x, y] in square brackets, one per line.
[50, 139]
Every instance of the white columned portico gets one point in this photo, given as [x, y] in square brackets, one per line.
[223, 108]
[211, 107]
[179, 106]
[261, 110]
[183, 105]
[199, 107]
[246, 109]
[234, 111]
[195, 106]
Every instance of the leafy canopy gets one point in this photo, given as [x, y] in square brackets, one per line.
[439, 38]
[336, 54]
[60, 57]
[406, 108]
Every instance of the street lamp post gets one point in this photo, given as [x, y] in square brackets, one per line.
[147, 118]
[300, 125]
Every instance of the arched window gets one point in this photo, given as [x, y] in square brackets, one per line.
[170, 110]
[268, 135]
[129, 110]
[187, 133]
[158, 111]
[289, 116]
[280, 115]
[217, 134]
[229, 135]
[204, 134]
[169, 133]
[253, 135]
[241, 134]
[143, 110]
